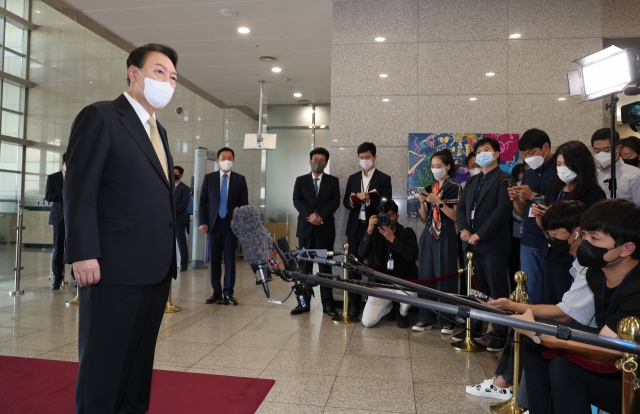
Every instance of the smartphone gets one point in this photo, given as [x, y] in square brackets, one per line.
[510, 182]
[480, 295]
[422, 190]
[538, 200]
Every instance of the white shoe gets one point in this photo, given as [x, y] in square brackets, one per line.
[487, 389]
[421, 327]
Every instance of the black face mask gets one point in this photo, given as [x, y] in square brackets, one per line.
[559, 246]
[632, 161]
[178, 177]
[592, 256]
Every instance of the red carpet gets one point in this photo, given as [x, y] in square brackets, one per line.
[41, 386]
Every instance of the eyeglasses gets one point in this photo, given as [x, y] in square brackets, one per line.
[319, 161]
[551, 237]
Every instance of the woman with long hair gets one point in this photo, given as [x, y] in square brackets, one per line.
[630, 152]
[576, 180]
[438, 243]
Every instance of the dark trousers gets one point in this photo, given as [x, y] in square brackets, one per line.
[316, 242]
[355, 300]
[514, 257]
[222, 240]
[505, 364]
[559, 386]
[557, 279]
[117, 336]
[181, 238]
[57, 259]
[492, 273]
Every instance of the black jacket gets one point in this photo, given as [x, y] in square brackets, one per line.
[380, 182]
[181, 196]
[325, 204]
[53, 194]
[237, 196]
[404, 252]
[493, 212]
[119, 205]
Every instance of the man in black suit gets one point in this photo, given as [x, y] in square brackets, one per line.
[359, 185]
[53, 194]
[181, 196]
[120, 226]
[316, 196]
[222, 192]
[483, 221]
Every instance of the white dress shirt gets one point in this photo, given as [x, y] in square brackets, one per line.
[627, 181]
[144, 117]
[313, 177]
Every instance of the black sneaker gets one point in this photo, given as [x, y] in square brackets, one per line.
[496, 345]
[403, 321]
[447, 329]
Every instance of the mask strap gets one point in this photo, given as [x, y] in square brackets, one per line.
[136, 83]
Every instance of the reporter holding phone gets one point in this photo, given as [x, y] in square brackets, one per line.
[438, 244]
[577, 180]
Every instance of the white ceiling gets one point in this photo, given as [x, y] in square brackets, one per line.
[215, 57]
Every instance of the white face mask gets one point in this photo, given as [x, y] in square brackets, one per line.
[157, 93]
[604, 159]
[439, 173]
[566, 175]
[475, 171]
[535, 161]
[366, 164]
[518, 183]
[226, 165]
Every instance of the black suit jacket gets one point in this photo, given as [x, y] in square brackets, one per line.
[325, 204]
[53, 194]
[119, 205]
[405, 252]
[238, 196]
[181, 195]
[380, 182]
[492, 216]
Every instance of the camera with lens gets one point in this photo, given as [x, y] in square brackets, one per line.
[630, 114]
[383, 217]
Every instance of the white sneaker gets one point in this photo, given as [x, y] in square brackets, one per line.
[421, 327]
[487, 389]
[447, 329]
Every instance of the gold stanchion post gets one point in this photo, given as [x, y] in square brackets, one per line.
[170, 307]
[345, 319]
[511, 406]
[74, 301]
[629, 330]
[468, 344]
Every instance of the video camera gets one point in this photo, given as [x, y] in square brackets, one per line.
[383, 217]
[630, 114]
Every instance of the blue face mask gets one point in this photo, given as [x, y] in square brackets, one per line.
[484, 159]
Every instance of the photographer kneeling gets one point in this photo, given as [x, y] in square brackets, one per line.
[394, 251]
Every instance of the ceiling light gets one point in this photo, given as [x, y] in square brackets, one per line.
[515, 36]
[385, 100]
[297, 94]
[276, 70]
[229, 12]
[341, 149]
[244, 30]
[267, 59]
[323, 126]
[473, 99]
[490, 74]
[383, 75]
[380, 39]
[37, 11]
[562, 99]
[310, 126]
[335, 140]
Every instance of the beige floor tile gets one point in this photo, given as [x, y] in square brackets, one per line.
[205, 335]
[280, 408]
[171, 367]
[288, 324]
[233, 372]
[318, 343]
[303, 361]
[429, 399]
[320, 324]
[241, 310]
[373, 394]
[171, 352]
[21, 352]
[43, 340]
[232, 356]
[9, 334]
[59, 356]
[364, 345]
[456, 369]
[305, 389]
[335, 410]
[370, 366]
[272, 340]
[384, 329]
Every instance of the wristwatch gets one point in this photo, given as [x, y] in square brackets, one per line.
[440, 205]
[537, 338]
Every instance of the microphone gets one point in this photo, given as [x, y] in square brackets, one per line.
[284, 251]
[256, 243]
[632, 91]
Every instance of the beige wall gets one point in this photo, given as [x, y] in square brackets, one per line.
[73, 67]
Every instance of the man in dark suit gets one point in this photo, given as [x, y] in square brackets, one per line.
[316, 196]
[483, 221]
[53, 194]
[181, 196]
[120, 226]
[360, 184]
[222, 192]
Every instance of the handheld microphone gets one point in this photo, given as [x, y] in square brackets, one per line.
[632, 91]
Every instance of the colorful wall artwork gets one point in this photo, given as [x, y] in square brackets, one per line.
[423, 146]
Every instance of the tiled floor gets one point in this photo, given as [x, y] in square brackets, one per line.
[319, 367]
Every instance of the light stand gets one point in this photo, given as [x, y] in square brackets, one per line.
[612, 107]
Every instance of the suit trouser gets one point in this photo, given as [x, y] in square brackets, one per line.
[222, 240]
[355, 300]
[181, 238]
[492, 272]
[376, 308]
[57, 259]
[314, 241]
[117, 337]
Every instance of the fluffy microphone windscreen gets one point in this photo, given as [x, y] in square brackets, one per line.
[255, 240]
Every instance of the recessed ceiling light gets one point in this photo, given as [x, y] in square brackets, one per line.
[385, 100]
[297, 94]
[323, 126]
[229, 12]
[380, 39]
[267, 59]
[562, 99]
[490, 74]
[341, 149]
[243, 30]
[515, 36]
[335, 140]
[383, 75]
[276, 70]
[37, 11]
[473, 99]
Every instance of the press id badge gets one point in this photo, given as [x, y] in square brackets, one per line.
[363, 214]
[390, 264]
[473, 214]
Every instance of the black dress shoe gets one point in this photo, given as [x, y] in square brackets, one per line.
[215, 298]
[183, 269]
[298, 311]
[329, 310]
[230, 300]
[55, 285]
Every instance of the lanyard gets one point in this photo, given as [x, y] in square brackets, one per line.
[604, 280]
[559, 195]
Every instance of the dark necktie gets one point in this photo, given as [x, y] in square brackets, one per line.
[222, 211]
